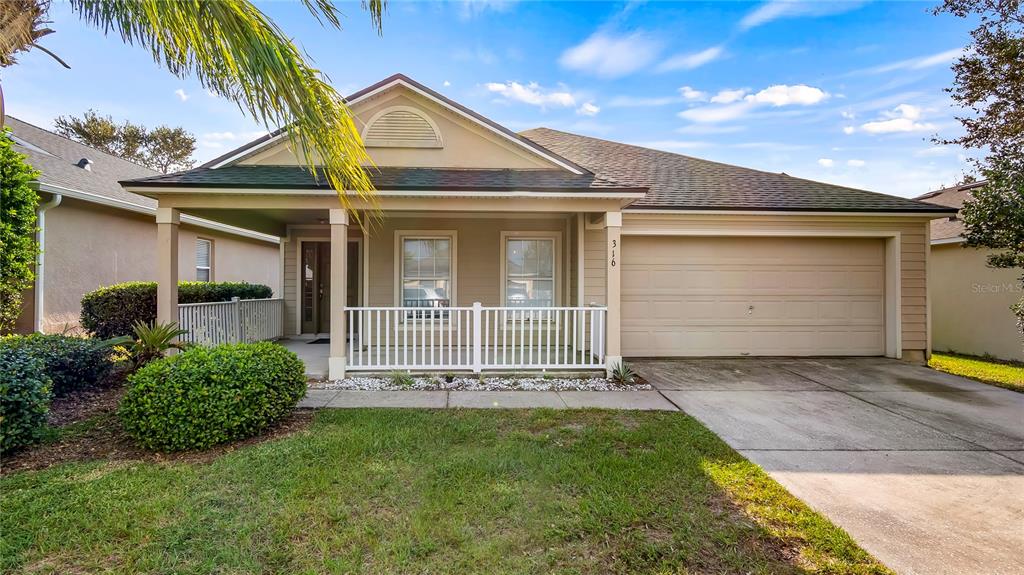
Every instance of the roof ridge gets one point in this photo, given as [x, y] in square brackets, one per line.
[76, 142]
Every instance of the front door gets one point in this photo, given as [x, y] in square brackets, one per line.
[316, 284]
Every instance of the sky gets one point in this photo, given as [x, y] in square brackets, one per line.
[845, 92]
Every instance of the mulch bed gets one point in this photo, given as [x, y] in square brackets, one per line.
[102, 437]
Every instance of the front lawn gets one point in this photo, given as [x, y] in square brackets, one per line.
[1001, 373]
[416, 491]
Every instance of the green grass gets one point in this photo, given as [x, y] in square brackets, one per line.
[1001, 373]
[416, 491]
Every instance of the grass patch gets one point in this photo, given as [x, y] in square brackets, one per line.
[1008, 374]
[417, 491]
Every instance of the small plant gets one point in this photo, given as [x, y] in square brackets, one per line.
[401, 379]
[623, 374]
[547, 376]
[449, 377]
[151, 341]
[210, 395]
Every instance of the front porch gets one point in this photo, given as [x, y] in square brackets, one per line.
[464, 290]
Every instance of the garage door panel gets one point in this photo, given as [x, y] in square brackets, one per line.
[810, 296]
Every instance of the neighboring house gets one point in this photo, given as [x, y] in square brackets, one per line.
[574, 247]
[970, 300]
[93, 233]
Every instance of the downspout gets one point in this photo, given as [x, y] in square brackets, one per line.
[39, 294]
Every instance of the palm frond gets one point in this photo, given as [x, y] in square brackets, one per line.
[234, 50]
[21, 26]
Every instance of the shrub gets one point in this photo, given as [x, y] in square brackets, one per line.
[72, 363]
[112, 311]
[209, 395]
[24, 398]
[18, 247]
[623, 374]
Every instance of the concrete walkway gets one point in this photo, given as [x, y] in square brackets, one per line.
[642, 400]
[925, 470]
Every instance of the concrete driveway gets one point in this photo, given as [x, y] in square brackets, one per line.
[925, 470]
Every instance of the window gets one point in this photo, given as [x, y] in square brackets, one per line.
[529, 272]
[426, 271]
[204, 260]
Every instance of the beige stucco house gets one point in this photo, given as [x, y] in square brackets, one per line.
[93, 233]
[970, 300]
[492, 250]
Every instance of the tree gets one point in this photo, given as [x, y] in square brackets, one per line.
[236, 52]
[18, 247]
[989, 83]
[163, 148]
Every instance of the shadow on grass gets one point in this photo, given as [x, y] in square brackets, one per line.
[399, 491]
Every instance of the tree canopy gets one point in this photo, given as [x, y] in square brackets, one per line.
[163, 148]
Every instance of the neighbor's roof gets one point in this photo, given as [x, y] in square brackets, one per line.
[388, 178]
[56, 158]
[953, 197]
[683, 182]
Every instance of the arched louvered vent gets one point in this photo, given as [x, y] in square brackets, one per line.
[402, 128]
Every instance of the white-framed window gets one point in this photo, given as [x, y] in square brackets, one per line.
[530, 263]
[426, 269]
[204, 260]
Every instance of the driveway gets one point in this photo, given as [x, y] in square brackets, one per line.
[924, 469]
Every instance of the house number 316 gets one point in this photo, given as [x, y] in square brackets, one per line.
[615, 244]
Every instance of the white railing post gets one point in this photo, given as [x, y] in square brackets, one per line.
[477, 348]
[236, 311]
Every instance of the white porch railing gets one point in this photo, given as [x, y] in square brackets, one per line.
[234, 321]
[475, 338]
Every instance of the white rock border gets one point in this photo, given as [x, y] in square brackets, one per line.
[464, 383]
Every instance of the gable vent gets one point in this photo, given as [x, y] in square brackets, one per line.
[401, 128]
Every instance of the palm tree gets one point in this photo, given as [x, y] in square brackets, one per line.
[234, 51]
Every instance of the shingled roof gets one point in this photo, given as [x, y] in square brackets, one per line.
[953, 197]
[683, 182]
[389, 178]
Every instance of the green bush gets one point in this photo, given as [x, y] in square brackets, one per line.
[112, 311]
[72, 363]
[209, 395]
[24, 398]
[18, 246]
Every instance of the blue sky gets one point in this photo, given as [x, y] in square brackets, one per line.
[845, 92]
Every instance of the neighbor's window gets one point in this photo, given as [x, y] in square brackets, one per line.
[529, 272]
[426, 272]
[204, 260]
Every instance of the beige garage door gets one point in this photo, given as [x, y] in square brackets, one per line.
[688, 296]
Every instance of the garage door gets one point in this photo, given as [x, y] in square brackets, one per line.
[689, 296]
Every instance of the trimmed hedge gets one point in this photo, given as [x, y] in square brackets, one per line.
[210, 395]
[112, 311]
[72, 363]
[24, 398]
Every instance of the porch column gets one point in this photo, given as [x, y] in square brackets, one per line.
[339, 288]
[613, 285]
[167, 221]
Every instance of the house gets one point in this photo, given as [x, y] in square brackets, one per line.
[93, 233]
[492, 250]
[970, 300]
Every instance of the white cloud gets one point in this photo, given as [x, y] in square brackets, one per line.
[609, 56]
[180, 93]
[588, 109]
[918, 63]
[728, 96]
[902, 118]
[783, 95]
[856, 163]
[732, 104]
[776, 9]
[709, 129]
[689, 93]
[826, 162]
[531, 94]
[231, 136]
[691, 61]
[470, 9]
[714, 114]
[848, 115]
[447, 83]
[849, 130]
